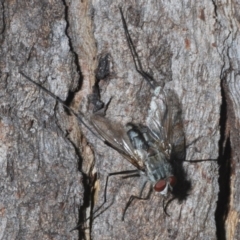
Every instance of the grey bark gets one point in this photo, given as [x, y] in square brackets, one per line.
[53, 169]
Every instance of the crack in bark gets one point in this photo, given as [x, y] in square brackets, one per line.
[224, 162]
[87, 181]
[215, 7]
[88, 184]
[76, 61]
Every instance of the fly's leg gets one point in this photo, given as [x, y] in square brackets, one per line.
[128, 173]
[166, 206]
[137, 197]
[136, 60]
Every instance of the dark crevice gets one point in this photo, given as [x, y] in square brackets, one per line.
[77, 64]
[215, 7]
[3, 24]
[87, 181]
[103, 69]
[224, 162]
[102, 73]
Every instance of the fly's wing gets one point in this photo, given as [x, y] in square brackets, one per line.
[165, 124]
[116, 136]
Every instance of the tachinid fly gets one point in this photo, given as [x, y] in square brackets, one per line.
[152, 147]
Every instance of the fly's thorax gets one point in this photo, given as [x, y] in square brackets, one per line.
[158, 166]
[136, 137]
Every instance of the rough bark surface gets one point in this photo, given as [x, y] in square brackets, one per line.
[53, 169]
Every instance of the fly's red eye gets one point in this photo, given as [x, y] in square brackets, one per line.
[160, 185]
[172, 180]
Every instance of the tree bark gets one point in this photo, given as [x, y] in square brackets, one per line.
[53, 169]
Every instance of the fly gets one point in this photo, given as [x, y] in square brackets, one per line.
[149, 148]
[153, 147]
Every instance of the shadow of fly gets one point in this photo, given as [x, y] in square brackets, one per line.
[155, 149]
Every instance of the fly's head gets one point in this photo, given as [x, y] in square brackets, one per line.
[164, 185]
